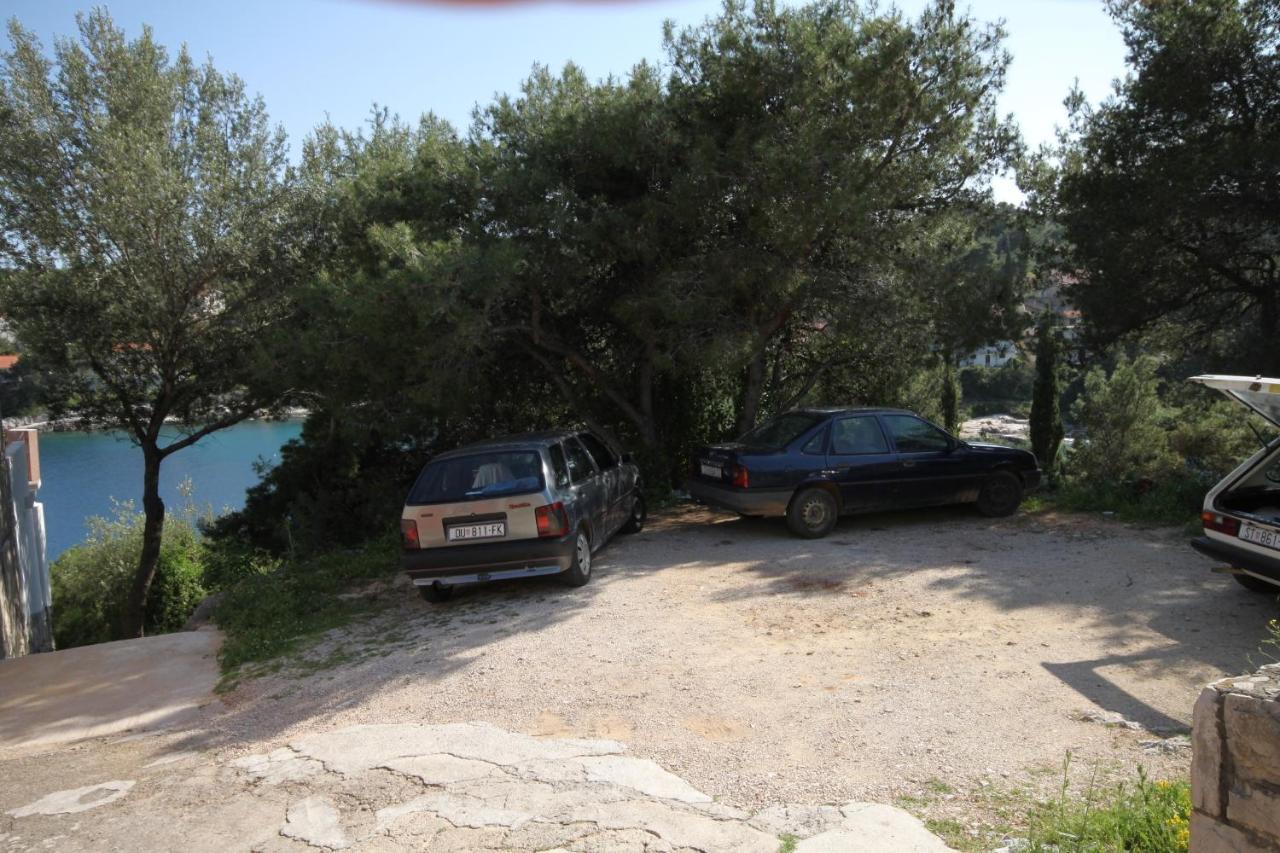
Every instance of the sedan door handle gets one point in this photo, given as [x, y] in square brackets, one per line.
[908, 463]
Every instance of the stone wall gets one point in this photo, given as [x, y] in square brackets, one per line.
[1235, 766]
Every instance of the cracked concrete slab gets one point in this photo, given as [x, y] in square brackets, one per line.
[481, 785]
[463, 787]
[315, 821]
[874, 828]
[358, 748]
[280, 765]
[641, 774]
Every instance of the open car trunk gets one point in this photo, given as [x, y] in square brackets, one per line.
[1256, 493]
[1258, 393]
[1262, 503]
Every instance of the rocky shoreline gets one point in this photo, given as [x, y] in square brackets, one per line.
[43, 423]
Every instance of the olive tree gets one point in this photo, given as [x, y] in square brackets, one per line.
[144, 236]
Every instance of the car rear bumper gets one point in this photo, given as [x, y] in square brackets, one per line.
[1241, 558]
[745, 501]
[489, 561]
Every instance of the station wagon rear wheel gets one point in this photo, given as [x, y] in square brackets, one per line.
[435, 592]
[1000, 495]
[639, 512]
[812, 513]
[580, 572]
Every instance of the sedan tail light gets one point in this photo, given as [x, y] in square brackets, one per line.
[409, 533]
[741, 476]
[1220, 523]
[552, 520]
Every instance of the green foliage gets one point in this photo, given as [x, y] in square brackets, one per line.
[1046, 416]
[228, 560]
[1123, 419]
[144, 225]
[1271, 645]
[149, 240]
[265, 615]
[91, 581]
[335, 486]
[1150, 455]
[1011, 381]
[1166, 192]
[665, 257]
[1141, 816]
[1173, 500]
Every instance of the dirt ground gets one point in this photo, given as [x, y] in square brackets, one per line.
[920, 658]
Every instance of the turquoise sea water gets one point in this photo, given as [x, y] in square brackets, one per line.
[82, 471]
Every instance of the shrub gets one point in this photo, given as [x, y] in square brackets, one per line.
[1214, 437]
[1011, 381]
[1143, 816]
[91, 581]
[335, 485]
[266, 615]
[1123, 419]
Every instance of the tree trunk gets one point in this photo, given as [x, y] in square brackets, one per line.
[752, 387]
[152, 529]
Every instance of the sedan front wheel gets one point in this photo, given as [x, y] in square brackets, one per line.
[1000, 495]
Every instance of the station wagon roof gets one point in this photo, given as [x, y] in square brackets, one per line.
[524, 441]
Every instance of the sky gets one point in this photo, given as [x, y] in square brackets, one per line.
[318, 59]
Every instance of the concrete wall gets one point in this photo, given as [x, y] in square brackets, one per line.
[1235, 766]
[26, 623]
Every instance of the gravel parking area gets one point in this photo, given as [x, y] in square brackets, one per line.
[902, 650]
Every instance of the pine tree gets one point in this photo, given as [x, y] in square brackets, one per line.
[1046, 414]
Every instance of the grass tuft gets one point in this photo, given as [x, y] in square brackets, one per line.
[265, 616]
[1140, 816]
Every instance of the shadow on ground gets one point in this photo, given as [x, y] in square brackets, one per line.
[1145, 581]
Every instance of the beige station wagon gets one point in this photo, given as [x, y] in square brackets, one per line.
[517, 507]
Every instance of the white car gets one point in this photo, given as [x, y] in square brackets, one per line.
[1242, 513]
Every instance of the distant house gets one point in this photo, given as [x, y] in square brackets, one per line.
[997, 354]
[7, 362]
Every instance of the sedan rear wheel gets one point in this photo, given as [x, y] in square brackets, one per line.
[580, 572]
[1000, 495]
[638, 514]
[812, 513]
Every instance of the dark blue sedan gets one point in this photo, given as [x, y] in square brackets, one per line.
[814, 465]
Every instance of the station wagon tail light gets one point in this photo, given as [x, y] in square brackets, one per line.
[552, 519]
[741, 477]
[409, 533]
[1220, 523]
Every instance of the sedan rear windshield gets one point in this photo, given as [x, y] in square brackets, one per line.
[479, 476]
[781, 431]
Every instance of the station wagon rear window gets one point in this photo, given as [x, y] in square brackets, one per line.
[478, 476]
